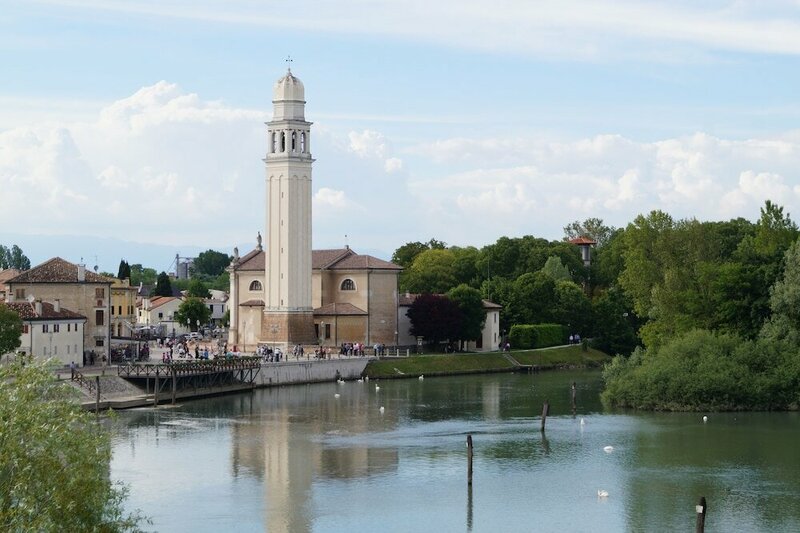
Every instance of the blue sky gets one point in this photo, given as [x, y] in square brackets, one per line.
[143, 120]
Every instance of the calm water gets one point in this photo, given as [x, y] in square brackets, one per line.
[299, 459]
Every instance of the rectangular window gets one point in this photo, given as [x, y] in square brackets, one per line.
[98, 342]
[100, 292]
[327, 331]
[160, 316]
[56, 328]
[67, 349]
[24, 328]
[99, 318]
[45, 328]
[112, 310]
[120, 309]
[495, 318]
[19, 294]
[69, 328]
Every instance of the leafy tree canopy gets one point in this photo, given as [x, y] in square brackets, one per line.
[10, 330]
[192, 312]
[124, 271]
[435, 318]
[210, 264]
[432, 272]
[163, 285]
[13, 258]
[197, 289]
[405, 255]
[556, 270]
[54, 459]
[470, 303]
[140, 274]
[593, 228]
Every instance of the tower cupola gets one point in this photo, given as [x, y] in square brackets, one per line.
[288, 98]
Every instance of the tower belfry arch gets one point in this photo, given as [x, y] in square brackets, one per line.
[288, 313]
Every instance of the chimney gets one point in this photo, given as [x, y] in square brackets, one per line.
[57, 305]
[81, 272]
[37, 307]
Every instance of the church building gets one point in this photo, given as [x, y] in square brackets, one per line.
[290, 294]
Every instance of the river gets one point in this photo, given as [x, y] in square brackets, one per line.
[301, 459]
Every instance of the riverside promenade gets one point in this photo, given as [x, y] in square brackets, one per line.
[130, 385]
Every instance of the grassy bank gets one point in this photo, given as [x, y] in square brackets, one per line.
[433, 365]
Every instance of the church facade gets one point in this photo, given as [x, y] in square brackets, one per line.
[290, 294]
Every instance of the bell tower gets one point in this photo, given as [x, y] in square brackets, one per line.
[288, 314]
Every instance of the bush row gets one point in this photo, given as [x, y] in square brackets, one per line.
[524, 336]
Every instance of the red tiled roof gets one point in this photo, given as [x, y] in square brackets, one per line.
[27, 311]
[57, 270]
[254, 260]
[334, 259]
[158, 301]
[338, 309]
[582, 240]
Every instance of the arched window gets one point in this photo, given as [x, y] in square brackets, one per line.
[303, 142]
[274, 142]
[283, 142]
[294, 141]
[255, 285]
[348, 285]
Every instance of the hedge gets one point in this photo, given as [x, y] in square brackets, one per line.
[537, 335]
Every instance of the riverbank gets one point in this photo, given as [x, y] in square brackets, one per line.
[478, 363]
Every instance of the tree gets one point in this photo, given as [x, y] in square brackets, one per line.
[210, 264]
[470, 303]
[13, 258]
[197, 289]
[10, 330]
[432, 272]
[556, 270]
[614, 323]
[192, 312]
[572, 308]
[785, 293]
[405, 255]
[435, 318]
[124, 271]
[145, 276]
[594, 228]
[163, 285]
[54, 458]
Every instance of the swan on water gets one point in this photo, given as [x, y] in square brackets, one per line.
[377, 388]
[421, 377]
[336, 395]
[601, 493]
[583, 422]
[361, 380]
[705, 419]
[608, 449]
[381, 409]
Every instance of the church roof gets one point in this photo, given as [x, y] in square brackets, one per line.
[338, 309]
[331, 259]
[27, 311]
[57, 270]
[289, 87]
[254, 260]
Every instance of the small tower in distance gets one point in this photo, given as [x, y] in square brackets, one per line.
[585, 244]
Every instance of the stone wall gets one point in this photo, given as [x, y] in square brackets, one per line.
[290, 373]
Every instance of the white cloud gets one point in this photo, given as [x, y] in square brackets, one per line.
[370, 144]
[393, 164]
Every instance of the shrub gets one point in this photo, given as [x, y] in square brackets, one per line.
[537, 335]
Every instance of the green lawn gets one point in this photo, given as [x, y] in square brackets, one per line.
[562, 356]
[484, 362]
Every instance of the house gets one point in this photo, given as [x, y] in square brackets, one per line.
[487, 342]
[5, 275]
[123, 308]
[50, 331]
[159, 311]
[83, 292]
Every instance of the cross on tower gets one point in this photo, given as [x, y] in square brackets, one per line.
[289, 61]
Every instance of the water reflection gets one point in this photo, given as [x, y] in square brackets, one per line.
[299, 459]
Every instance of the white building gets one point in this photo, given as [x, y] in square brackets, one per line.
[160, 311]
[50, 331]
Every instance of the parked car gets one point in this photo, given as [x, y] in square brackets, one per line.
[194, 336]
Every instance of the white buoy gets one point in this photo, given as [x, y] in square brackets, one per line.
[381, 409]
[705, 419]
[336, 395]
[608, 449]
[602, 493]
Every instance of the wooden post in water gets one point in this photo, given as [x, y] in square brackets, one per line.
[174, 384]
[155, 392]
[574, 406]
[97, 397]
[545, 410]
[469, 460]
[701, 509]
